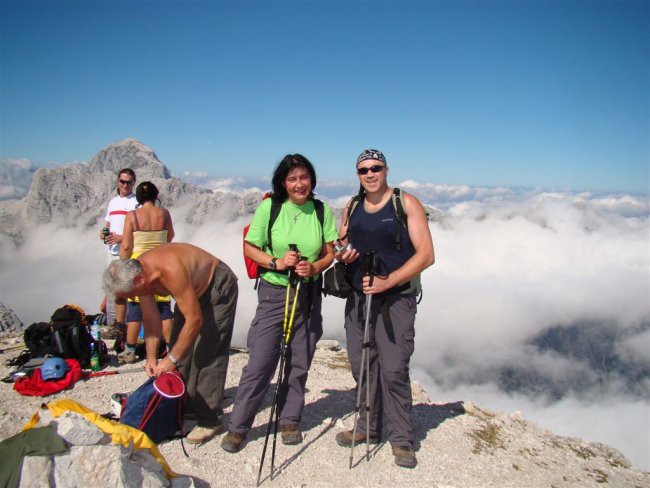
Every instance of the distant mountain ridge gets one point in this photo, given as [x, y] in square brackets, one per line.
[77, 193]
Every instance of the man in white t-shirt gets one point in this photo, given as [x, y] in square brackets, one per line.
[116, 213]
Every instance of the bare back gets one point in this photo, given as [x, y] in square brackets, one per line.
[150, 217]
[173, 268]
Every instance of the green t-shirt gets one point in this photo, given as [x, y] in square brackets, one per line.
[296, 224]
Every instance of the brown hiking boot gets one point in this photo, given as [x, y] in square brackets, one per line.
[405, 457]
[113, 331]
[199, 434]
[233, 442]
[291, 434]
[344, 438]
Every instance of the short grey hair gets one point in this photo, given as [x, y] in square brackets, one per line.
[118, 277]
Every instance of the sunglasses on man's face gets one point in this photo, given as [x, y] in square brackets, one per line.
[126, 182]
[373, 169]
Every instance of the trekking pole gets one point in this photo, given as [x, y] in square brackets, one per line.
[286, 341]
[286, 326]
[370, 263]
[93, 374]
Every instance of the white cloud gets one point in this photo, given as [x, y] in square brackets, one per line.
[509, 266]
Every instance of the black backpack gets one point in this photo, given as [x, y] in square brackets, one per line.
[38, 339]
[70, 335]
[65, 336]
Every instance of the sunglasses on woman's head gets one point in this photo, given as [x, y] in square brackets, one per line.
[373, 169]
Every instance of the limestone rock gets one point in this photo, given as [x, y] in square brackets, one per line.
[129, 153]
[222, 206]
[419, 393]
[78, 431]
[9, 321]
[106, 466]
[330, 344]
[36, 472]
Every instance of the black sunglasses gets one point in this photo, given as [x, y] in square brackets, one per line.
[373, 169]
[127, 182]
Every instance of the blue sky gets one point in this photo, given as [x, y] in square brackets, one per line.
[497, 93]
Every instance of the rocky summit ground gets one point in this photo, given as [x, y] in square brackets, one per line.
[458, 443]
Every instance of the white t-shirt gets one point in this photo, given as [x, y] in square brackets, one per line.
[118, 208]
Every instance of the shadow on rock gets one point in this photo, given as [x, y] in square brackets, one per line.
[427, 416]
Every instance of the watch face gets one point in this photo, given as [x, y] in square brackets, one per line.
[272, 264]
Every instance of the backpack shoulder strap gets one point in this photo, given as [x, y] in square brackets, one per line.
[320, 211]
[400, 210]
[354, 203]
[275, 211]
[397, 198]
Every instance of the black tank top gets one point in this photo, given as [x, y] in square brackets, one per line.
[376, 232]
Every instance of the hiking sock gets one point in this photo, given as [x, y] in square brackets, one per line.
[130, 347]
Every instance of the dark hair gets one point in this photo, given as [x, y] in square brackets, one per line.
[128, 171]
[289, 162]
[146, 192]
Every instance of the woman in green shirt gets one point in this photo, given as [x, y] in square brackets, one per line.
[297, 222]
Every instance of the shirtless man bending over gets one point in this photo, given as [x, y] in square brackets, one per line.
[205, 291]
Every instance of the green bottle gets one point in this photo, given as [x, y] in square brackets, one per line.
[94, 357]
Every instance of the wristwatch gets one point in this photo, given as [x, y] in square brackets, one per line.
[172, 358]
[272, 265]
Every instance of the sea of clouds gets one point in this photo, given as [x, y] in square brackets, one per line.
[538, 301]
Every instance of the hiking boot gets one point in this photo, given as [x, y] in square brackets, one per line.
[199, 434]
[127, 357]
[291, 434]
[233, 442]
[113, 331]
[405, 457]
[344, 438]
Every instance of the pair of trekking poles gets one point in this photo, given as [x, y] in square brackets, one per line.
[287, 329]
[369, 267]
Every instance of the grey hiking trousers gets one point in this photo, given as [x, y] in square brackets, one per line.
[392, 339]
[204, 367]
[264, 337]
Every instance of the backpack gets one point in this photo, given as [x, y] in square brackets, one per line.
[65, 336]
[156, 407]
[70, 335]
[38, 339]
[415, 284]
[251, 266]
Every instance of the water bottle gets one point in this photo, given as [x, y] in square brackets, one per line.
[94, 357]
[105, 233]
[94, 331]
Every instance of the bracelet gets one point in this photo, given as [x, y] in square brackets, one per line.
[172, 358]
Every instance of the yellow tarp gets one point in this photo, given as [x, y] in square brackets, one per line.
[120, 433]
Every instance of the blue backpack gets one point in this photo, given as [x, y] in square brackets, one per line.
[156, 407]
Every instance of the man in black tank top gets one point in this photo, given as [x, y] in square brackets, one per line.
[372, 227]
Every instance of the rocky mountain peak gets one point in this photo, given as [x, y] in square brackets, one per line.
[77, 193]
[9, 321]
[129, 153]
